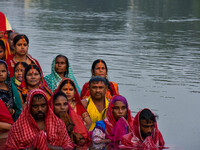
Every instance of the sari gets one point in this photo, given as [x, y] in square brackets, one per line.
[4, 26]
[95, 115]
[17, 99]
[85, 93]
[75, 119]
[79, 108]
[25, 132]
[53, 79]
[5, 117]
[24, 91]
[111, 129]
[136, 141]
[11, 63]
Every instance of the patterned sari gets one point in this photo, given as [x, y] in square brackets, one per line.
[53, 79]
[25, 132]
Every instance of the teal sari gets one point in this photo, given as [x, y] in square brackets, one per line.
[17, 105]
[53, 79]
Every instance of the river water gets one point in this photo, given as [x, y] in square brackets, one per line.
[152, 49]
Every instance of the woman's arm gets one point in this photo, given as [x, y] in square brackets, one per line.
[5, 126]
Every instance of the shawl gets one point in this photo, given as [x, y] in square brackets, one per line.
[17, 99]
[10, 99]
[95, 115]
[78, 122]
[23, 91]
[80, 109]
[4, 26]
[5, 116]
[135, 139]
[11, 64]
[26, 133]
[110, 120]
[53, 79]
[85, 93]
[112, 129]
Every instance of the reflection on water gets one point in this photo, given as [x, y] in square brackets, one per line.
[151, 48]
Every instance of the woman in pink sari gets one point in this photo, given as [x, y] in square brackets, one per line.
[118, 122]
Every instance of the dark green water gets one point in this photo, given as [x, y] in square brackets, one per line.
[152, 49]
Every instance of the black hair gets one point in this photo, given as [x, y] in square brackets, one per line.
[65, 82]
[66, 61]
[98, 79]
[38, 96]
[147, 115]
[56, 95]
[2, 45]
[29, 67]
[19, 37]
[24, 64]
[92, 70]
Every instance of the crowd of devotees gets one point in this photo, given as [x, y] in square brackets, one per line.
[53, 112]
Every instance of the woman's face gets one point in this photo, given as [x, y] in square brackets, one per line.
[119, 110]
[19, 72]
[3, 73]
[60, 105]
[21, 47]
[33, 78]
[60, 65]
[69, 91]
[2, 53]
[100, 70]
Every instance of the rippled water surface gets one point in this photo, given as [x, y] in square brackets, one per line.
[152, 49]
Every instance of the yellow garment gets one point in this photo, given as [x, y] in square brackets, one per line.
[8, 26]
[95, 115]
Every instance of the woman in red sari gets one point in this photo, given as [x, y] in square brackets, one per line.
[74, 124]
[33, 79]
[99, 68]
[21, 44]
[68, 87]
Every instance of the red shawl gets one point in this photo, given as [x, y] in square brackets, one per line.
[86, 93]
[135, 139]
[79, 106]
[11, 64]
[25, 132]
[5, 116]
[110, 121]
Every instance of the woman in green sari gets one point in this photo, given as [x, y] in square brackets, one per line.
[60, 69]
[16, 80]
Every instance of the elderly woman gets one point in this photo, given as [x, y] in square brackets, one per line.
[118, 122]
[60, 69]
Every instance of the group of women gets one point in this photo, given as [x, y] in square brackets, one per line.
[20, 73]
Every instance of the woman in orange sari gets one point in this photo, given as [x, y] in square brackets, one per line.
[21, 44]
[33, 79]
[99, 68]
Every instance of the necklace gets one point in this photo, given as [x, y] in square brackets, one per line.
[18, 61]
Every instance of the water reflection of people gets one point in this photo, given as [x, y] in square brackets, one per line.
[145, 134]
[118, 122]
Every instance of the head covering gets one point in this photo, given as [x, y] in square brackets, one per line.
[110, 120]
[26, 133]
[8, 82]
[135, 139]
[79, 106]
[53, 79]
[78, 122]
